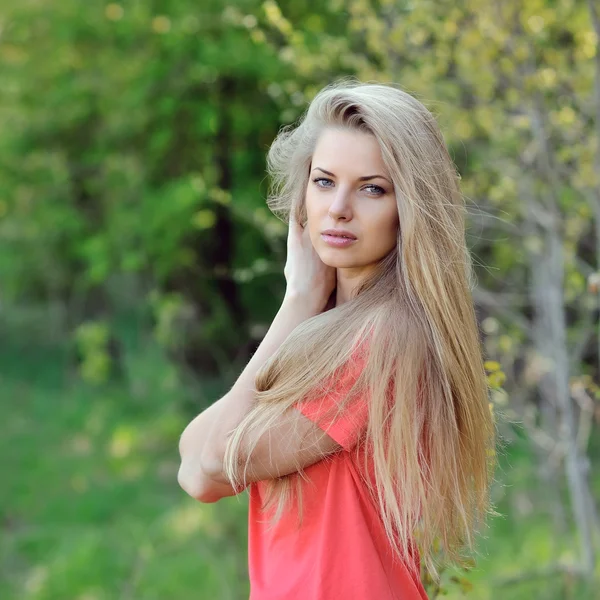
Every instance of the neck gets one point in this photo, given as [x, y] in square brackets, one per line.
[347, 281]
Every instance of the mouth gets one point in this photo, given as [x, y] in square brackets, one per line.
[338, 241]
[331, 233]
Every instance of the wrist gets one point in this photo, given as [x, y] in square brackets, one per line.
[300, 305]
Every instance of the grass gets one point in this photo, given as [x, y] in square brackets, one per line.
[91, 509]
[90, 504]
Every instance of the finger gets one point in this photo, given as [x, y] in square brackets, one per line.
[295, 224]
[292, 229]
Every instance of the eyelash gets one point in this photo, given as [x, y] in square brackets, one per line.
[379, 191]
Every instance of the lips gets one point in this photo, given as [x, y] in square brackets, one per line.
[339, 233]
[337, 241]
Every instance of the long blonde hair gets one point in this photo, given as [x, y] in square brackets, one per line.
[433, 464]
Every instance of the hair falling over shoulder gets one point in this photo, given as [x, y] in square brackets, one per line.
[433, 444]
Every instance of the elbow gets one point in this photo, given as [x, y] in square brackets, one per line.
[201, 477]
[187, 482]
[200, 454]
[196, 484]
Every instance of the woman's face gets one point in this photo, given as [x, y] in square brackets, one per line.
[339, 196]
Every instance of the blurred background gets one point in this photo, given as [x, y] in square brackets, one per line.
[140, 268]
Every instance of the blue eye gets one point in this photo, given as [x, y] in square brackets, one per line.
[376, 189]
[373, 189]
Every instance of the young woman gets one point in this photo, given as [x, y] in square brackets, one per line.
[361, 425]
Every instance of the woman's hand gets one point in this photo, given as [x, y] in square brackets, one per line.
[308, 277]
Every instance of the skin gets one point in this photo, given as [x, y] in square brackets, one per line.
[313, 270]
[340, 200]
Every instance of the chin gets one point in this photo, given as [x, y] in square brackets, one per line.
[339, 263]
[327, 259]
[330, 262]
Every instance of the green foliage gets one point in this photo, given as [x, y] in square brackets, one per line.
[128, 164]
[92, 341]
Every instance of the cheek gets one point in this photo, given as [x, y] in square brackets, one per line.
[385, 229]
[313, 219]
[390, 239]
[309, 203]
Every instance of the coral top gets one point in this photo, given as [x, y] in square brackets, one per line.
[341, 550]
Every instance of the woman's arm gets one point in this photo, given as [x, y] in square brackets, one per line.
[202, 443]
[310, 284]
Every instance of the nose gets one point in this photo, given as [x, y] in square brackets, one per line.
[341, 205]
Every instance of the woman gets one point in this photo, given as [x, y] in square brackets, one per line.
[361, 424]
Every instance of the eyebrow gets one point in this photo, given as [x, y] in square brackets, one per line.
[365, 178]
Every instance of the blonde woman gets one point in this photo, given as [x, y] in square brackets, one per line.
[360, 426]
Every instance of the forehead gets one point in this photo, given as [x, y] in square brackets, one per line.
[348, 151]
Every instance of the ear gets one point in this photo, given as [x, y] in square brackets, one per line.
[298, 213]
